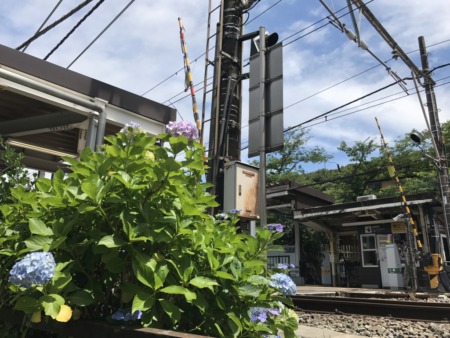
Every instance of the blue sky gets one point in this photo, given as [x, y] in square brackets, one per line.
[141, 53]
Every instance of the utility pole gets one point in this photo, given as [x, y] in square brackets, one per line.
[442, 166]
[225, 126]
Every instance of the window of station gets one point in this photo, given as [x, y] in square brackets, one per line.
[369, 250]
[349, 247]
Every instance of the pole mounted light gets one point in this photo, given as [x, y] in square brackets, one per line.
[442, 173]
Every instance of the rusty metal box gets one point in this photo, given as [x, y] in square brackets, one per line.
[241, 183]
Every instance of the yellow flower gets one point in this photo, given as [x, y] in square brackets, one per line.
[65, 313]
[36, 317]
[149, 155]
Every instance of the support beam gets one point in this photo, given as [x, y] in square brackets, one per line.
[388, 38]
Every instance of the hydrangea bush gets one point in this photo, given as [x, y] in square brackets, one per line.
[126, 236]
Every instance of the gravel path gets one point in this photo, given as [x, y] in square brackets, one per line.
[375, 326]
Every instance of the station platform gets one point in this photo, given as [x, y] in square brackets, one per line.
[320, 289]
[313, 332]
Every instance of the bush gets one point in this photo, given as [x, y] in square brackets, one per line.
[131, 238]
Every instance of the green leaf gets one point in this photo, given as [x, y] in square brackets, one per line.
[56, 243]
[51, 304]
[178, 143]
[112, 241]
[234, 324]
[161, 272]
[254, 263]
[259, 280]
[127, 226]
[38, 227]
[250, 290]
[145, 274]
[171, 310]
[203, 282]
[59, 281]
[143, 301]
[27, 304]
[81, 298]
[190, 209]
[38, 243]
[201, 302]
[94, 188]
[187, 272]
[61, 265]
[179, 290]
[116, 265]
[225, 275]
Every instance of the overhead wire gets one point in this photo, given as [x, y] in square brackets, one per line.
[330, 112]
[44, 22]
[359, 109]
[101, 33]
[266, 10]
[362, 97]
[54, 24]
[196, 59]
[74, 28]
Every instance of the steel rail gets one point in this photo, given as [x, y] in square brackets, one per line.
[401, 309]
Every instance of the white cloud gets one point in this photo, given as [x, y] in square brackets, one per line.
[141, 50]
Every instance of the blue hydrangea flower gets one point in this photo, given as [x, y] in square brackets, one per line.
[283, 283]
[222, 216]
[235, 211]
[35, 268]
[259, 314]
[125, 315]
[276, 227]
[136, 126]
[270, 336]
[182, 128]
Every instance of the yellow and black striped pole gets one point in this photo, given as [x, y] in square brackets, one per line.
[393, 174]
[188, 80]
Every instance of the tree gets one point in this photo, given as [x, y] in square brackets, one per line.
[287, 164]
[12, 173]
[355, 178]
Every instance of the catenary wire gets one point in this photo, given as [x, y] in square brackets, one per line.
[101, 33]
[92, 10]
[196, 59]
[266, 10]
[301, 125]
[54, 24]
[45, 21]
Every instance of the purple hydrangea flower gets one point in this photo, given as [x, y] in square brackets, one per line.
[182, 128]
[133, 125]
[276, 227]
[35, 268]
[283, 283]
[285, 266]
[235, 211]
[259, 314]
[125, 315]
[270, 336]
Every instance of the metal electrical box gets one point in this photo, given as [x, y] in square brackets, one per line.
[241, 183]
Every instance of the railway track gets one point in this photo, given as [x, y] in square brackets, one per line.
[392, 308]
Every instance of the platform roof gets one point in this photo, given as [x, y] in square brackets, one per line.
[46, 110]
[348, 216]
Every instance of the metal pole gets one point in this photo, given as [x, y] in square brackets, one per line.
[411, 263]
[262, 128]
[442, 167]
